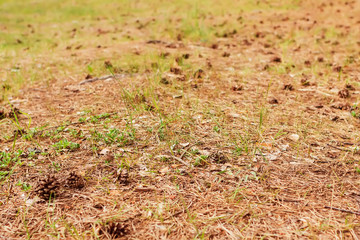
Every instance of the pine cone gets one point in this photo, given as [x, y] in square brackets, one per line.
[75, 181]
[2, 114]
[219, 157]
[47, 188]
[123, 176]
[115, 229]
[344, 93]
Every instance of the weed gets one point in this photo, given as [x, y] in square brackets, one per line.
[75, 133]
[217, 128]
[201, 161]
[238, 150]
[8, 162]
[64, 144]
[161, 132]
[194, 151]
[56, 166]
[31, 133]
[353, 113]
[24, 186]
[95, 119]
[82, 119]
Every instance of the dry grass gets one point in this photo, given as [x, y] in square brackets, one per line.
[215, 134]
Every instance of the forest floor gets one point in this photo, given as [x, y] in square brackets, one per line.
[180, 120]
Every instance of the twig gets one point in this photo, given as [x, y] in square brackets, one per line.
[105, 78]
[186, 149]
[343, 210]
[96, 79]
[174, 214]
[176, 158]
[145, 189]
[289, 200]
[345, 150]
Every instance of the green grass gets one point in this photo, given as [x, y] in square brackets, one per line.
[35, 33]
[8, 162]
[65, 145]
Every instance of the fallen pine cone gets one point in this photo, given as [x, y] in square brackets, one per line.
[47, 188]
[114, 229]
[344, 93]
[75, 181]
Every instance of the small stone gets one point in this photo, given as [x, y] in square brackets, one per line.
[164, 81]
[276, 59]
[294, 137]
[164, 170]
[184, 144]
[199, 73]
[273, 101]
[235, 115]
[176, 70]
[237, 88]
[105, 151]
[226, 54]
[289, 87]
[284, 147]
[271, 157]
[161, 228]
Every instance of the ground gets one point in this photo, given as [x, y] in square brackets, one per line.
[179, 120]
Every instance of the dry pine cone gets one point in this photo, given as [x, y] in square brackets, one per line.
[47, 188]
[123, 176]
[344, 93]
[75, 181]
[115, 229]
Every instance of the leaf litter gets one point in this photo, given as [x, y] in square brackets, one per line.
[240, 177]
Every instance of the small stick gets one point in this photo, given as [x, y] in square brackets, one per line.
[96, 79]
[105, 78]
[182, 161]
[176, 158]
[343, 210]
[346, 150]
[186, 149]
[174, 215]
